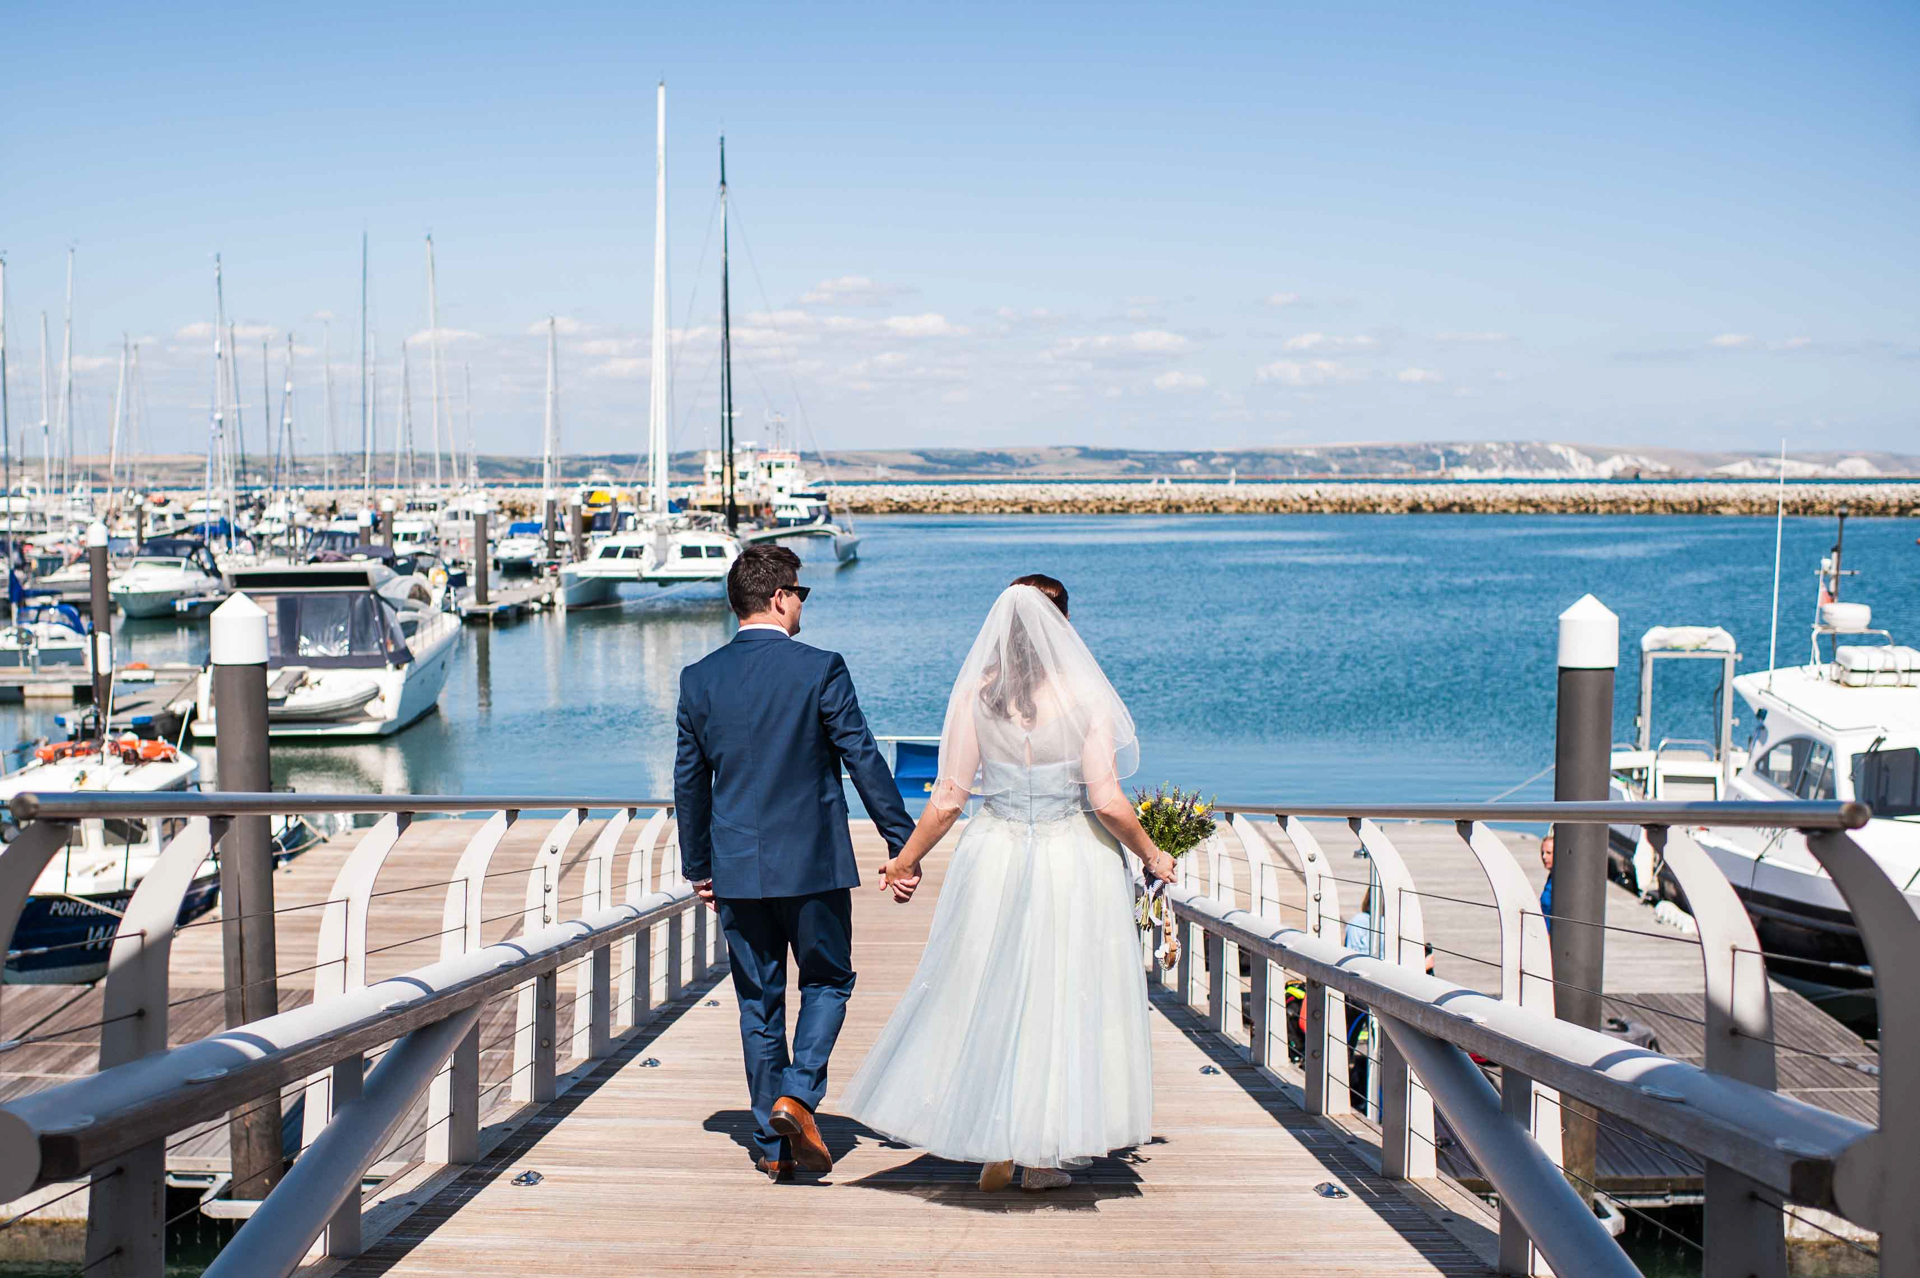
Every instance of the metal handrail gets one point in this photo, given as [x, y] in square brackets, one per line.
[1794, 814]
[42, 806]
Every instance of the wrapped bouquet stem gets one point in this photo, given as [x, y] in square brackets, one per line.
[1177, 821]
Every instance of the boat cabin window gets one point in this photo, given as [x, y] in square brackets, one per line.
[116, 832]
[633, 552]
[609, 552]
[1888, 781]
[716, 552]
[1816, 774]
[1781, 763]
[690, 552]
[338, 628]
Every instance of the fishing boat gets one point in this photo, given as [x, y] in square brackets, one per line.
[354, 649]
[167, 570]
[1844, 725]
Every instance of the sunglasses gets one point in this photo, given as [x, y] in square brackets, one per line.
[798, 592]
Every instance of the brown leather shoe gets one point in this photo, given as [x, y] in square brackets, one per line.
[795, 1121]
[775, 1171]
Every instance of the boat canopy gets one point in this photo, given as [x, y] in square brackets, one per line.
[524, 528]
[1687, 639]
[333, 629]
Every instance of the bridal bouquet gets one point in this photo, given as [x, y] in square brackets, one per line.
[1178, 822]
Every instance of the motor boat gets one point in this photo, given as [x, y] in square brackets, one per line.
[669, 552]
[523, 549]
[43, 634]
[336, 630]
[66, 931]
[1845, 725]
[167, 570]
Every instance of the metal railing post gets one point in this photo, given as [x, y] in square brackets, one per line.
[237, 648]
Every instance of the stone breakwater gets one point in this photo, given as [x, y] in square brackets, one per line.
[1307, 498]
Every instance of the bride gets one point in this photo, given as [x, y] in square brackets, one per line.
[1023, 1036]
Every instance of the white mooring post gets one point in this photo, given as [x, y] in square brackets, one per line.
[101, 604]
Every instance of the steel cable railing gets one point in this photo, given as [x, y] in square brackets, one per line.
[149, 1088]
[1239, 901]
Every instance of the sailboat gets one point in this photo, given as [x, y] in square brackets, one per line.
[668, 547]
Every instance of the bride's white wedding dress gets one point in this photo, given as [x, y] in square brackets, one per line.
[1024, 1033]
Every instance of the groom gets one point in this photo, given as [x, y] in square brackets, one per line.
[765, 725]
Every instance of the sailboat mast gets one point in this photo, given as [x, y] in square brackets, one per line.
[657, 407]
[553, 393]
[726, 355]
[266, 418]
[113, 437]
[433, 339]
[466, 396]
[366, 409]
[66, 389]
[239, 453]
[406, 418]
[46, 431]
[217, 474]
[326, 394]
[136, 425]
[6, 430]
[284, 462]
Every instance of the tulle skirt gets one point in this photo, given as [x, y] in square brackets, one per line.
[1024, 1032]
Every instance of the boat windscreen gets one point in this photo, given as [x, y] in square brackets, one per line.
[1888, 781]
[344, 628]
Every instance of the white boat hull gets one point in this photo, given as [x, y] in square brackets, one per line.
[407, 694]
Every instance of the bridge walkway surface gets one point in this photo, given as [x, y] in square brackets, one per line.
[643, 1166]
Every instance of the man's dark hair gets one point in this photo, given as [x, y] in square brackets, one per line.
[756, 574]
[1051, 587]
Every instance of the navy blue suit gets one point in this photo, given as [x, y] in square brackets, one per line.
[765, 724]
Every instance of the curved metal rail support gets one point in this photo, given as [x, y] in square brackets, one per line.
[636, 978]
[1407, 1150]
[1526, 980]
[592, 998]
[1328, 1089]
[535, 1025]
[453, 1106]
[1743, 1237]
[1878, 1180]
[134, 1009]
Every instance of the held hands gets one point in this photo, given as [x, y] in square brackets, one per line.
[704, 890]
[899, 878]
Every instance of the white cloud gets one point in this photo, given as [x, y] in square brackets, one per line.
[1282, 299]
[1417, 375]
[854, 290]
[1792, 343]
[323, 316]
[1176, 380]
[1311, 372]
[1728, 341]
[606, 346]
[94, 363]
[203, 329]
[625, 369]
[1149, 341]
[1328, 342]
[447, 336]
[1480, 338]
[928, 325]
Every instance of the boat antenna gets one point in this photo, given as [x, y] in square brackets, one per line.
[1779, 526]
[366, 417]
[726, 356]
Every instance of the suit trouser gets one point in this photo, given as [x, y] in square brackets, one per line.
[818, 928]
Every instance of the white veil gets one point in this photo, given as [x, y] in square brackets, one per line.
[1031, 696]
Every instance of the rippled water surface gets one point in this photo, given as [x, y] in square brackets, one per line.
[1327, 657]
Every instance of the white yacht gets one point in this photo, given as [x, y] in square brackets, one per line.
[523, 549]
[1846, 725]
[354, 650]
[44, 634]
[167, 570]
[665, 552]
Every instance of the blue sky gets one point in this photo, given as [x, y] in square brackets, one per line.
[1146, 225]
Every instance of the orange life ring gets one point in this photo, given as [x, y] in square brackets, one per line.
[157, 752]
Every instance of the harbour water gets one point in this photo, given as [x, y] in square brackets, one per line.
[1333, 657]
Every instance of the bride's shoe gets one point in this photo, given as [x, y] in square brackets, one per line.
[995, 1177]
[1034, 1179]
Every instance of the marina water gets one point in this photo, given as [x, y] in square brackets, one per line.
[1332, 657]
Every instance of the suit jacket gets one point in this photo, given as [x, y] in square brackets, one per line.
[764, 726]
